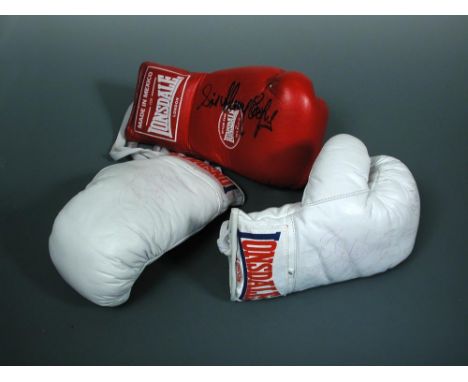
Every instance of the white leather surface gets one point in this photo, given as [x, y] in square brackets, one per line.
[358, 216]
[127, 217]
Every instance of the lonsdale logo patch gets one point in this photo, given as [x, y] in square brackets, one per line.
[159, 102]
[257, 253]
[230, 127]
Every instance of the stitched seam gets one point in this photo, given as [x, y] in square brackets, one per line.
[335, 197]
[295, 241]
[321, 201]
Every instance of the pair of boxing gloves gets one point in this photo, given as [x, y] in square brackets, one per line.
[358, 216]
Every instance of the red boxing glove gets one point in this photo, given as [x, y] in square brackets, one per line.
[264, 123]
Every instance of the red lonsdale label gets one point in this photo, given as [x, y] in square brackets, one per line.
[257, 252]
[159, 103]
[229, 127]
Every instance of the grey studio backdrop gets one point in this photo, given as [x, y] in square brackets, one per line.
[398, 83]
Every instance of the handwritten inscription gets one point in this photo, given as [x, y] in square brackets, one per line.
[256, 108]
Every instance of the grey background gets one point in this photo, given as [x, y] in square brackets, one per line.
[398, 83]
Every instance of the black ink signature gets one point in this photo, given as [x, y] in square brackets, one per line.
[253, 109]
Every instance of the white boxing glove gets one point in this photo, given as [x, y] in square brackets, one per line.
[129, 215]
[359, 216]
